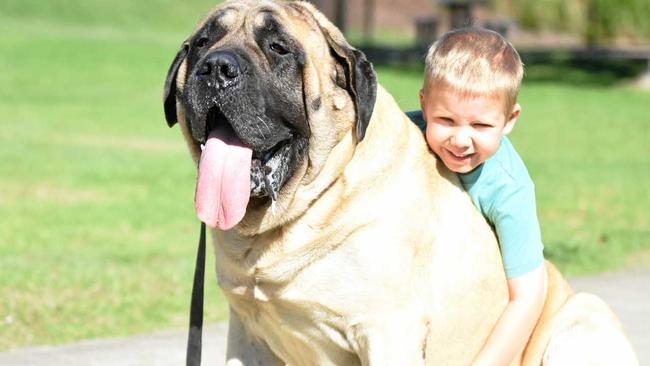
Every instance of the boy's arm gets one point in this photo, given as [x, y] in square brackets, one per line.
[510, 206]
[512, 331]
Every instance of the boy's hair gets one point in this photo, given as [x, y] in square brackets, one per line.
[475, 61]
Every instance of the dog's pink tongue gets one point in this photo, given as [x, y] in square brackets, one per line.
[223, 186]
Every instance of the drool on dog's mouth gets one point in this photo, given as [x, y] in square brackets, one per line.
[231, 172]
[269, 170]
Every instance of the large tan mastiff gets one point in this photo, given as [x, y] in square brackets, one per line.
[339, 238]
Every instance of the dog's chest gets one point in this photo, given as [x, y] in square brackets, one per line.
[299, 329]
[314, 312]
[317, 305]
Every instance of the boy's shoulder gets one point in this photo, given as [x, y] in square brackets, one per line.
[498, 179]
[507, 165]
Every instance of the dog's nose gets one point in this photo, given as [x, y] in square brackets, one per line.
[221, 65]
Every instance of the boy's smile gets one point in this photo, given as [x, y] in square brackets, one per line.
[464, 130]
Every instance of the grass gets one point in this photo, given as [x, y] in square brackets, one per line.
[98, 234]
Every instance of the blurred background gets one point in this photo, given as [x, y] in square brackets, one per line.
[97, 229]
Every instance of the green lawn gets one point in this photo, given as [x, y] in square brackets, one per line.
[98, 234]
[97, 230]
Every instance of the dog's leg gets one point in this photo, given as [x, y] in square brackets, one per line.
[244, 350]
[588, 333]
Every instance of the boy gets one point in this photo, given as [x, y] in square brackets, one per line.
[469, 104]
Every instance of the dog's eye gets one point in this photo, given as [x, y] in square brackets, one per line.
[278, 48]
[201, 42]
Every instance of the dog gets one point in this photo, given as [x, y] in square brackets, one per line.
[339, 238]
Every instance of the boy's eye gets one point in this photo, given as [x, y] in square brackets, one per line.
[445, 120]
[482, 125]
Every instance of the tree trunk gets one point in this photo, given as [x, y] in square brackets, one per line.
[339, 14]
[368, 20]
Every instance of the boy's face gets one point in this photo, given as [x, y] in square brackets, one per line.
[464, 131]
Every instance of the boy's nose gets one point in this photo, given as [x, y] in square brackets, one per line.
[461, 140]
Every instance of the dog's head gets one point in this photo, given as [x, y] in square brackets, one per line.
[263, 90]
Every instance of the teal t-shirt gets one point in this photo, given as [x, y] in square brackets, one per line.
[505, 194]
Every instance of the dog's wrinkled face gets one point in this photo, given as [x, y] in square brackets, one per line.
[238, 83]
[251, 89]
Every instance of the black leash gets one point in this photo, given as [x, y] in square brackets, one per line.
[193, 357]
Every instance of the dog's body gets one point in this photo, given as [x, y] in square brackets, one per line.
[357, 246]
[367, 266]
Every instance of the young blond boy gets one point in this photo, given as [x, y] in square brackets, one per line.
[469, 104]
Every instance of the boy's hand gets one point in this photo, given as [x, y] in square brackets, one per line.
[512, 331]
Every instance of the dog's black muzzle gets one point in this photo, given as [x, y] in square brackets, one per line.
[225, 90]
[218, 91]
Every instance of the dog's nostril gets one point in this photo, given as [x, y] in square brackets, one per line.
[206, 69]
[229, 70]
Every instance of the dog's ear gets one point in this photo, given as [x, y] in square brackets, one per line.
[360, 76]
[169, 92]
[361, 84]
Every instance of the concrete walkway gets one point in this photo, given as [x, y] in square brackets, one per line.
[628, 293]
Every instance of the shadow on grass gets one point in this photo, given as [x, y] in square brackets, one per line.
[583, 72]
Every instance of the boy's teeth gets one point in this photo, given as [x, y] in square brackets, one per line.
[459, 155]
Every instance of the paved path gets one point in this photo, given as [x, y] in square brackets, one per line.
[628, 293]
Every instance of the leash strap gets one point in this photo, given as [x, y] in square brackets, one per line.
[193, 357]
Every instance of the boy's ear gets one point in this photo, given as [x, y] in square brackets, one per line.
[511, 120]
[422, 100]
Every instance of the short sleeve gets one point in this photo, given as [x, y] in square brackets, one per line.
[514, 216]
